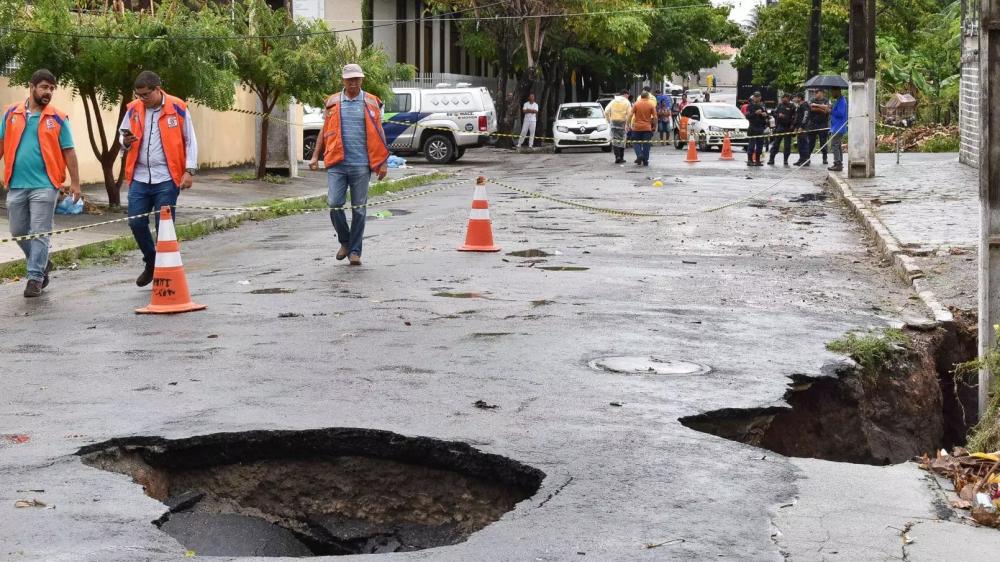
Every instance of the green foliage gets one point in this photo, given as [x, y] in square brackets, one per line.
[778, 50]
[876, 350]
[942, 143]
[985, 435]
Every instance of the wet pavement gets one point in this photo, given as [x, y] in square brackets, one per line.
[752, 291]
[930, 204]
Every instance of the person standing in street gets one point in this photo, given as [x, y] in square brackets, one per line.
[529, 118]
[36, 145]
[353, 146]
[801, 128]
[664, 116]
[161, 159]
[819, 124]
[838, 128]
[757, 116]
[784, 126]
[617, 113]
[642, 121]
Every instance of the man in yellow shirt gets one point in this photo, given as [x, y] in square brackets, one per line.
[617, 115]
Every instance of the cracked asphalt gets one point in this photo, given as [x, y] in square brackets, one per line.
[754, 291]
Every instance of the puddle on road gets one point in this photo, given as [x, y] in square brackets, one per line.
[648, 365]
[529, 254]
[491, 334]
[563, 268]
[322, 492]
[809, 197]
[451, 295]
[272, 291]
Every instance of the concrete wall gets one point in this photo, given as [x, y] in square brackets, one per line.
[969, 120]
[224, 139]
[344, 16]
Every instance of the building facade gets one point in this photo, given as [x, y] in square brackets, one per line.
[969, 119]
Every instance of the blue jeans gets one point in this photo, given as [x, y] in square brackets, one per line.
[642, 144]
[143, 198]
[31, 211]
[338, 179]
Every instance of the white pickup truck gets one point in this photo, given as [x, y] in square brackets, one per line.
[442, 123]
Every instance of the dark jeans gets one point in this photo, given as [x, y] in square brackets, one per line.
[805, 147]
[642, 144]
[143, 198]
[338, 179]
[818, 139]
[781, 137]
[756, 143]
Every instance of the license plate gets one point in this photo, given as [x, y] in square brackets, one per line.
[583, 137]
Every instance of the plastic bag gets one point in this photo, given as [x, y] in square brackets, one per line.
[67, 207]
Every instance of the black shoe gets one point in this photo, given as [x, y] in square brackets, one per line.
[32, 289]
[645, 162]
[638, 161]
[146, 277]
[48, 269]
[786, 163]
[825, 162]
[806, 163]
[770, 162]
[836, 168]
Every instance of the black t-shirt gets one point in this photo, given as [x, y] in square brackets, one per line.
[802, 115]
[757, 115]
[784, 116]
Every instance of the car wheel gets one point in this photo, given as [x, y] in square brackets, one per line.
[679, 144]
[460, 152]
[438, 149]
[309, 145]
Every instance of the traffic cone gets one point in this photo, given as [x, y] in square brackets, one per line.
[727, 149]
[479, 235]
[170, 288]
[692, 156]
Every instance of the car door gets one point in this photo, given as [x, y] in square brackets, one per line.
[399, 120]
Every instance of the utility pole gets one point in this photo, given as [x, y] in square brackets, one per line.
[861, 106]
[989, 188]
[812, 67]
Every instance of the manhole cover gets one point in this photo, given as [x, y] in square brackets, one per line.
[321, 492]
[648, 365]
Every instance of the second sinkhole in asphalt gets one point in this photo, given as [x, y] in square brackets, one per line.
[323, 492]
[914, 407]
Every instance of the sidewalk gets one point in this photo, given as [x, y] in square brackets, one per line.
[924, 215]
[212, 188]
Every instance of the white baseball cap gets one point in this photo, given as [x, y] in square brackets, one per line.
[352, 71]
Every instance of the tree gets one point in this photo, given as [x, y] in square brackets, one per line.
[279, 58]
[777, 51]
[99, 53]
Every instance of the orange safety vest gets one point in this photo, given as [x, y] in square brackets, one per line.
[333, 142]
[171, 123]
[51, 124]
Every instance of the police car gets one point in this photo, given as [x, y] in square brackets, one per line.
[441, 123]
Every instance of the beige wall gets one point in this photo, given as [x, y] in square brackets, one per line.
[340, 10]
[224, 138]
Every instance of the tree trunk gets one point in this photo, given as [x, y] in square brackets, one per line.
[110, 181]
[262, 160]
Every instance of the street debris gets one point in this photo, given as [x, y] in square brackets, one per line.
[29, 503]
[13, 439]
[664, 543]
[289, 315]
[616, 404]
[482, 405]
[976, 477]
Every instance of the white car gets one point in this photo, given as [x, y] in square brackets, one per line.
[709, 122]
[581, 125]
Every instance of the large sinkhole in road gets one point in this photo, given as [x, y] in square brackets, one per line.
[317, 492]
[916, 407]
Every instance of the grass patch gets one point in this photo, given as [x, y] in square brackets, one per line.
[877, 351]
[984, 437]
[111, 250]
[941, 143]
[243, 177]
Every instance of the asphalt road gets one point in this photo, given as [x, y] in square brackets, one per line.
[753, 291]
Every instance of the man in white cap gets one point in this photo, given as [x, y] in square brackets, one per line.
[353, 146]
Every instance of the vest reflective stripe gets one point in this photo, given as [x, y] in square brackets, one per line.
[171, 124]
[333, 140]
[50, 126]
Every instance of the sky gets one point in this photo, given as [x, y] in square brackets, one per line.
[741, 8]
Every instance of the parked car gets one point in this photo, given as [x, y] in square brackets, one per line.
[442, 123]
[709, 122]
[581, 125]
[312, 122]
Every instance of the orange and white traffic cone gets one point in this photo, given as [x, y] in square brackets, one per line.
[479, 235]
[170, 288]
[692, 155]
[727, 149]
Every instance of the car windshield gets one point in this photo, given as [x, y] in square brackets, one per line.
[580, 112]
[721, 112]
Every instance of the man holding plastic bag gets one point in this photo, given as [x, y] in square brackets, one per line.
[36, 146]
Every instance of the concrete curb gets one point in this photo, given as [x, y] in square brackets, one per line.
[902, 263]
[213, 223]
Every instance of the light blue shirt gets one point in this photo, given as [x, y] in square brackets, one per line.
[151, 166]
[352, 128]
[29, 167]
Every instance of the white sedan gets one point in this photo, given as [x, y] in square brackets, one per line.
[709, 123]
[581, 125]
